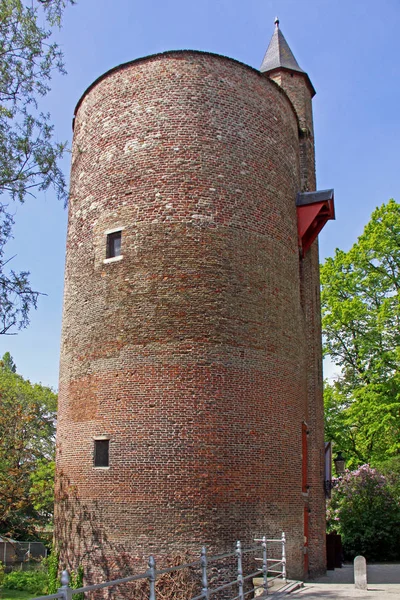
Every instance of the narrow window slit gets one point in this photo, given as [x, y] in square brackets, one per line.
[101, 453]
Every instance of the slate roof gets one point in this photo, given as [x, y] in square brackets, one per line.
[304, 198]
[279, 55]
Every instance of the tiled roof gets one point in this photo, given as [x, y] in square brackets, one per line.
[279, 54]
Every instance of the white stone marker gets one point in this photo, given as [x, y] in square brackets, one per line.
[360, 573]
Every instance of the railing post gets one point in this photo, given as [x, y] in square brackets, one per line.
[239, 569]
[65, 590]
[152, 578]
[265, 564]
[204, 580]
[284, 556]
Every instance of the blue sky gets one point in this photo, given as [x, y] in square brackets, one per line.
[351, 51]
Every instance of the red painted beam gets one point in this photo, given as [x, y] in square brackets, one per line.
[311, 218]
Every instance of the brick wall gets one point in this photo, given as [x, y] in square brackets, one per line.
[190, 351]
[297, 87]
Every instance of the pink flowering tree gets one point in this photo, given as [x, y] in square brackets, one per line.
[365, 511]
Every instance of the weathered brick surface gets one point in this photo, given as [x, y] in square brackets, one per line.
[191, 352]
[298, 90]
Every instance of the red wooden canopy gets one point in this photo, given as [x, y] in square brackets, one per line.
[314, 209]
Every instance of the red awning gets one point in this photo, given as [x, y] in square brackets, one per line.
[314, 209]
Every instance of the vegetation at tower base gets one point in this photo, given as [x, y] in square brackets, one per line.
[365, 510]
[52, 571]
[27, 429]
[29, 155]
[34, 581]
[360, 320]
[42, 578]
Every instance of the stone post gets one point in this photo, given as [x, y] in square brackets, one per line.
[360, 573]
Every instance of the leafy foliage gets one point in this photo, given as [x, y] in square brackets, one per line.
[8, 363]
[29, 155]
[34, 582]
[42, 488]
[360, 319]
[1, 573]
[365, 510]
[16, 295]
[27, 429]
[54, 9]
[44, 580]
[52, 562]
[77, 582]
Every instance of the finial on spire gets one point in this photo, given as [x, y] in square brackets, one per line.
[276, 22]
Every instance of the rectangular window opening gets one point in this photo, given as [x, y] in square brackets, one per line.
[114, 244]
[101, 453]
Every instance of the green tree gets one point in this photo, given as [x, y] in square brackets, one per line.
[360, 320]
[29, 155]
[27, 430]
[41, 492]
[366, 512]
[8, 363]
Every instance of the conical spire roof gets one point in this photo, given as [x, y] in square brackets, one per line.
[279, 55]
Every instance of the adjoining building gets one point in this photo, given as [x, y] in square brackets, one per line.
[190, 404]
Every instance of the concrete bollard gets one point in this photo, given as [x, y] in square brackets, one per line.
[360, 573]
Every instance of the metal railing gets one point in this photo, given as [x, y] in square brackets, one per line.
[207, 591]
[275, 562]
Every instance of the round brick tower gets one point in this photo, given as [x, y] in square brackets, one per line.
[184, 387]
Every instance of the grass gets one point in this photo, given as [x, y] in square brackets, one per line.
[6, 594]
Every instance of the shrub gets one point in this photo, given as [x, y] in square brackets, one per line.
[1, 573]
[34, 582]
[51, 563]
[365, 511]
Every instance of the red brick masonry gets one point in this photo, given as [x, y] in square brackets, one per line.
[197, 353]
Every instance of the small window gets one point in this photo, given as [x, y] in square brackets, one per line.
[101, 453]
[114, 244]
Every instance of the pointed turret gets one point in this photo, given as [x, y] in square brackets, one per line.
[280, 65]
[279, 57]
[279, 54]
